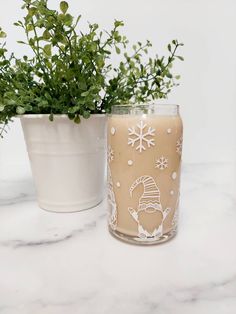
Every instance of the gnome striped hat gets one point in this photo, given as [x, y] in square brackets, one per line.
[150, 199]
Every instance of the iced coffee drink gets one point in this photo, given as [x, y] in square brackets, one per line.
[144, 159]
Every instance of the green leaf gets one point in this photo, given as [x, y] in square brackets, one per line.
[74, 109]
[100, 62]
[2, 107]
[3, 34]
[67, 19]
[43, 103]
[21, 42]
[32, 11]
[29, 27]
[77, 119]
[78, 19]
[51, 117]
[169, 75]
[169, 47]
[46, 35]
[31, 42]
[2, 52]
[11, 102]
[64, 7]
[28, 107]
[71, 116]
[82, 85]
[59, 38]
[118, 50]
[85, 94]
[93, 47]
[180, 58]
[47, 96]
[86, 114]
[48, 50]
[118, 23]
[20, 110]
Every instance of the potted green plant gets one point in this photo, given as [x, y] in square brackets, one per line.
[63, 92]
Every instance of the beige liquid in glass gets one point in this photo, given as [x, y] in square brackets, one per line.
[144, 156]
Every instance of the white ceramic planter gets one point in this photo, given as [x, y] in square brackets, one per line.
[67, 160]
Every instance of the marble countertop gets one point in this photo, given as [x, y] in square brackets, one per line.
[68, 263]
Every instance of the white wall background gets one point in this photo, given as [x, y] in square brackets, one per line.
[208, 87]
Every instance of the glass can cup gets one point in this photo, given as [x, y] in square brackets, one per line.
[144, 164]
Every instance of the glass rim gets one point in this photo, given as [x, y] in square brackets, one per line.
[145, 108]
[146, 105]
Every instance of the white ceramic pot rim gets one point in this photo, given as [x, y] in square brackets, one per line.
[41, 115]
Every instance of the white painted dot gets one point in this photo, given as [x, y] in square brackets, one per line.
[169, 131]
[172, 192]
[118, 184]
[174, 175]
[130, 162]
[113, 130]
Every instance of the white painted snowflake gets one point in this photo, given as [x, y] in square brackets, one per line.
[162, 163]
[139, 136]
[110, 154]
[179, 145]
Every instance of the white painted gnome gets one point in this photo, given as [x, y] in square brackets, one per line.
[149, 203]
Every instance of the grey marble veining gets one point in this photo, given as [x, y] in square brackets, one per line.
[68, 263]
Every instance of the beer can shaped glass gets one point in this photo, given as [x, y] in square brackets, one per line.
[144, 164]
